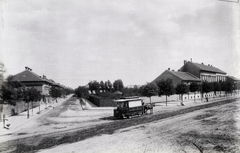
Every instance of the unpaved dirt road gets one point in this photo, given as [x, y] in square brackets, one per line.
[194, 129]
[210, 130]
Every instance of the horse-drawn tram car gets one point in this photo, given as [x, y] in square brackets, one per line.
[130, 106]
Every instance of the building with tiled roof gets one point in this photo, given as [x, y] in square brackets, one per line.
[207, 73]
[31, 79]
[177, 77]
[233, 79]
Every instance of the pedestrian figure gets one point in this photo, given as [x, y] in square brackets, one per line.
[182, 103]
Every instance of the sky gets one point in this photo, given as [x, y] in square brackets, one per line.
[74, 42]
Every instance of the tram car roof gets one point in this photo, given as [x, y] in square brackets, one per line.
[127, 99]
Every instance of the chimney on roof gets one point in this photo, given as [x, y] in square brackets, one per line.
[211, 65]
[44, 77]
[26, 68]
[191, 59]
[208, 64]
[168, 69]
[202, 64]
[184, 62]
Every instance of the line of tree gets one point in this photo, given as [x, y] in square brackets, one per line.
[160, 88]
[165, 87]
[106, 86]
[13, 91]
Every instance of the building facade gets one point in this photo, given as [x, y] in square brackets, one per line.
[177, 77]
[31, 80]
[204, 72]
[193, 72]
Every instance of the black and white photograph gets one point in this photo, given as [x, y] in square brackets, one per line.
[119, 76]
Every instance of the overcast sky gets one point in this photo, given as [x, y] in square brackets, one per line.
[75, 41]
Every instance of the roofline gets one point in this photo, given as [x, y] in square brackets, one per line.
[207, 70]
[42, 79]
[213, 71]
[193, 76]
[123, 100]
[197, 79]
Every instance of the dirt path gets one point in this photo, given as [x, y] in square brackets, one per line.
[208, 131]
[78, 134]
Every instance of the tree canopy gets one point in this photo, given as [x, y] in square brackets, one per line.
[55, 92]
[81, 92]
[165, 88]
[11, 91]
[182, 89]
[149, 90]
[31, 94]
[193, 87]
[118, 85]
[207, 87]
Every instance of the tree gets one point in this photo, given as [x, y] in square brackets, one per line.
[81, 92]
[132, 91]
[149, 90]
[227, 86]
[90, 86]
[194, 87]
[165, 88]
[95, 86]
[110, 85]
[216, 87]
[106, 86]
[8, 94]
[11, 91]
[102, 85]
[237, 86]
[230, 86]
[206, 87]
[13, 84]
[31, 95]
[55, 92]
[182, 89]
[118, 85]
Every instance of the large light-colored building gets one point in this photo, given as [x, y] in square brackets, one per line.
[31, 79]
[193, 72]
[177, 77]
[204, 72]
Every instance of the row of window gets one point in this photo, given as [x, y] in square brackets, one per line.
[210, 78]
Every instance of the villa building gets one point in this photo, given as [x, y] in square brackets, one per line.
[204, 72]
[177, 77]
[31, 79]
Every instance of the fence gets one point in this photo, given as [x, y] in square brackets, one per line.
[10, 110]
[102, 102]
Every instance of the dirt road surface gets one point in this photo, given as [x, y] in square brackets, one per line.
[205, 128]
[209, 130]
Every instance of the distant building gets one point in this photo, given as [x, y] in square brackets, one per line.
[31, 79]
[233, 79]
[207, 73]
[177, 77]
[193, 72]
